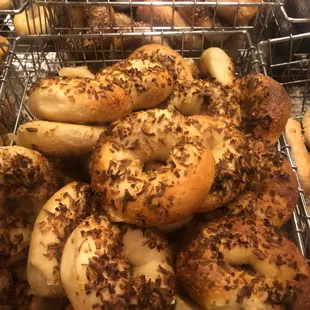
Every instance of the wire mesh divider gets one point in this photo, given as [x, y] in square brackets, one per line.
[293, 71]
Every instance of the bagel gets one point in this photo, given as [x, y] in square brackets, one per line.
[81, 71]
[206, 97]
[265, 105]
[70, 99]
[165, 196]
[166, 16]
[167, 57]
[58, 139]
[34, 20]
[122, 20]
[100, 19]
[25, 174]
[299, 152]
[55, 222]
[15, 231]
[271, 199]
[237, 15]
[5, 5]
[122, 46]
[306, 127]
[216, 63]
[147, 83]
[111, 267]
[238, 263]
[4, 46]
[230, 149]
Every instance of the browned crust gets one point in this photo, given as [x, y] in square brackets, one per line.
[244, 14]
[166, 56]
[198, 16]
[148, 200]
[265, 104]
[204, 272]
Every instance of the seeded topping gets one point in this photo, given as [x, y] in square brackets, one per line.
[242, 259]
[136, 140]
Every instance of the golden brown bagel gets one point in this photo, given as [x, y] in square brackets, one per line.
[271, 198]
[147, 83]
[265, 105]
[237, 15]
[55, 222]
[100, 19]
[170, 193]
[206, 98]
[134, 265]
[230, 149]
[299, 152]
[165, 16]
[240, 263]
[70, 99]
[166, 56]
[58, 139]
[26, 174]
[4, 45]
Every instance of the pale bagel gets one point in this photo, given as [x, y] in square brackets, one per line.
[57, 219]
[76, 100]
[58, 139]
[81, 71]
[216, 63]
[34, 20]
[306, 127]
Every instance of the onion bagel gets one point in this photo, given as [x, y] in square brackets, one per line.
[167, 57]
[240, 263]
[230, 149]
[58, 139]
[55, 222]
[147, 83]
[206, 98]
[265, 105]
[116, 267]
[26, 174]
[75, 100]
[170, 193]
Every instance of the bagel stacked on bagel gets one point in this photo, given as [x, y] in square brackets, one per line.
[184, 197]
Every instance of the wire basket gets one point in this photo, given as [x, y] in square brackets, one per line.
[293, 71]
[111, 16]
[36, 57]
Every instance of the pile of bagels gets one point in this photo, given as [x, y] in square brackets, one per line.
[142, 187]
[102, 18]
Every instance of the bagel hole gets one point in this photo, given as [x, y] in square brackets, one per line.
[152, 165]
[249, 269]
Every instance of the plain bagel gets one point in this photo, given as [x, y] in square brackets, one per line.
[75, 100]
[170, 193]
[55, 222]
[58, 139]
[107, 266]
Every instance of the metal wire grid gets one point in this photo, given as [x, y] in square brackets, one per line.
[17, 6]
[293, 71]
[64, 20]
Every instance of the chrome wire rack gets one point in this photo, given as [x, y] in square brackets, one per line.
[293, 71]
[39, 56]
[88, 16]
